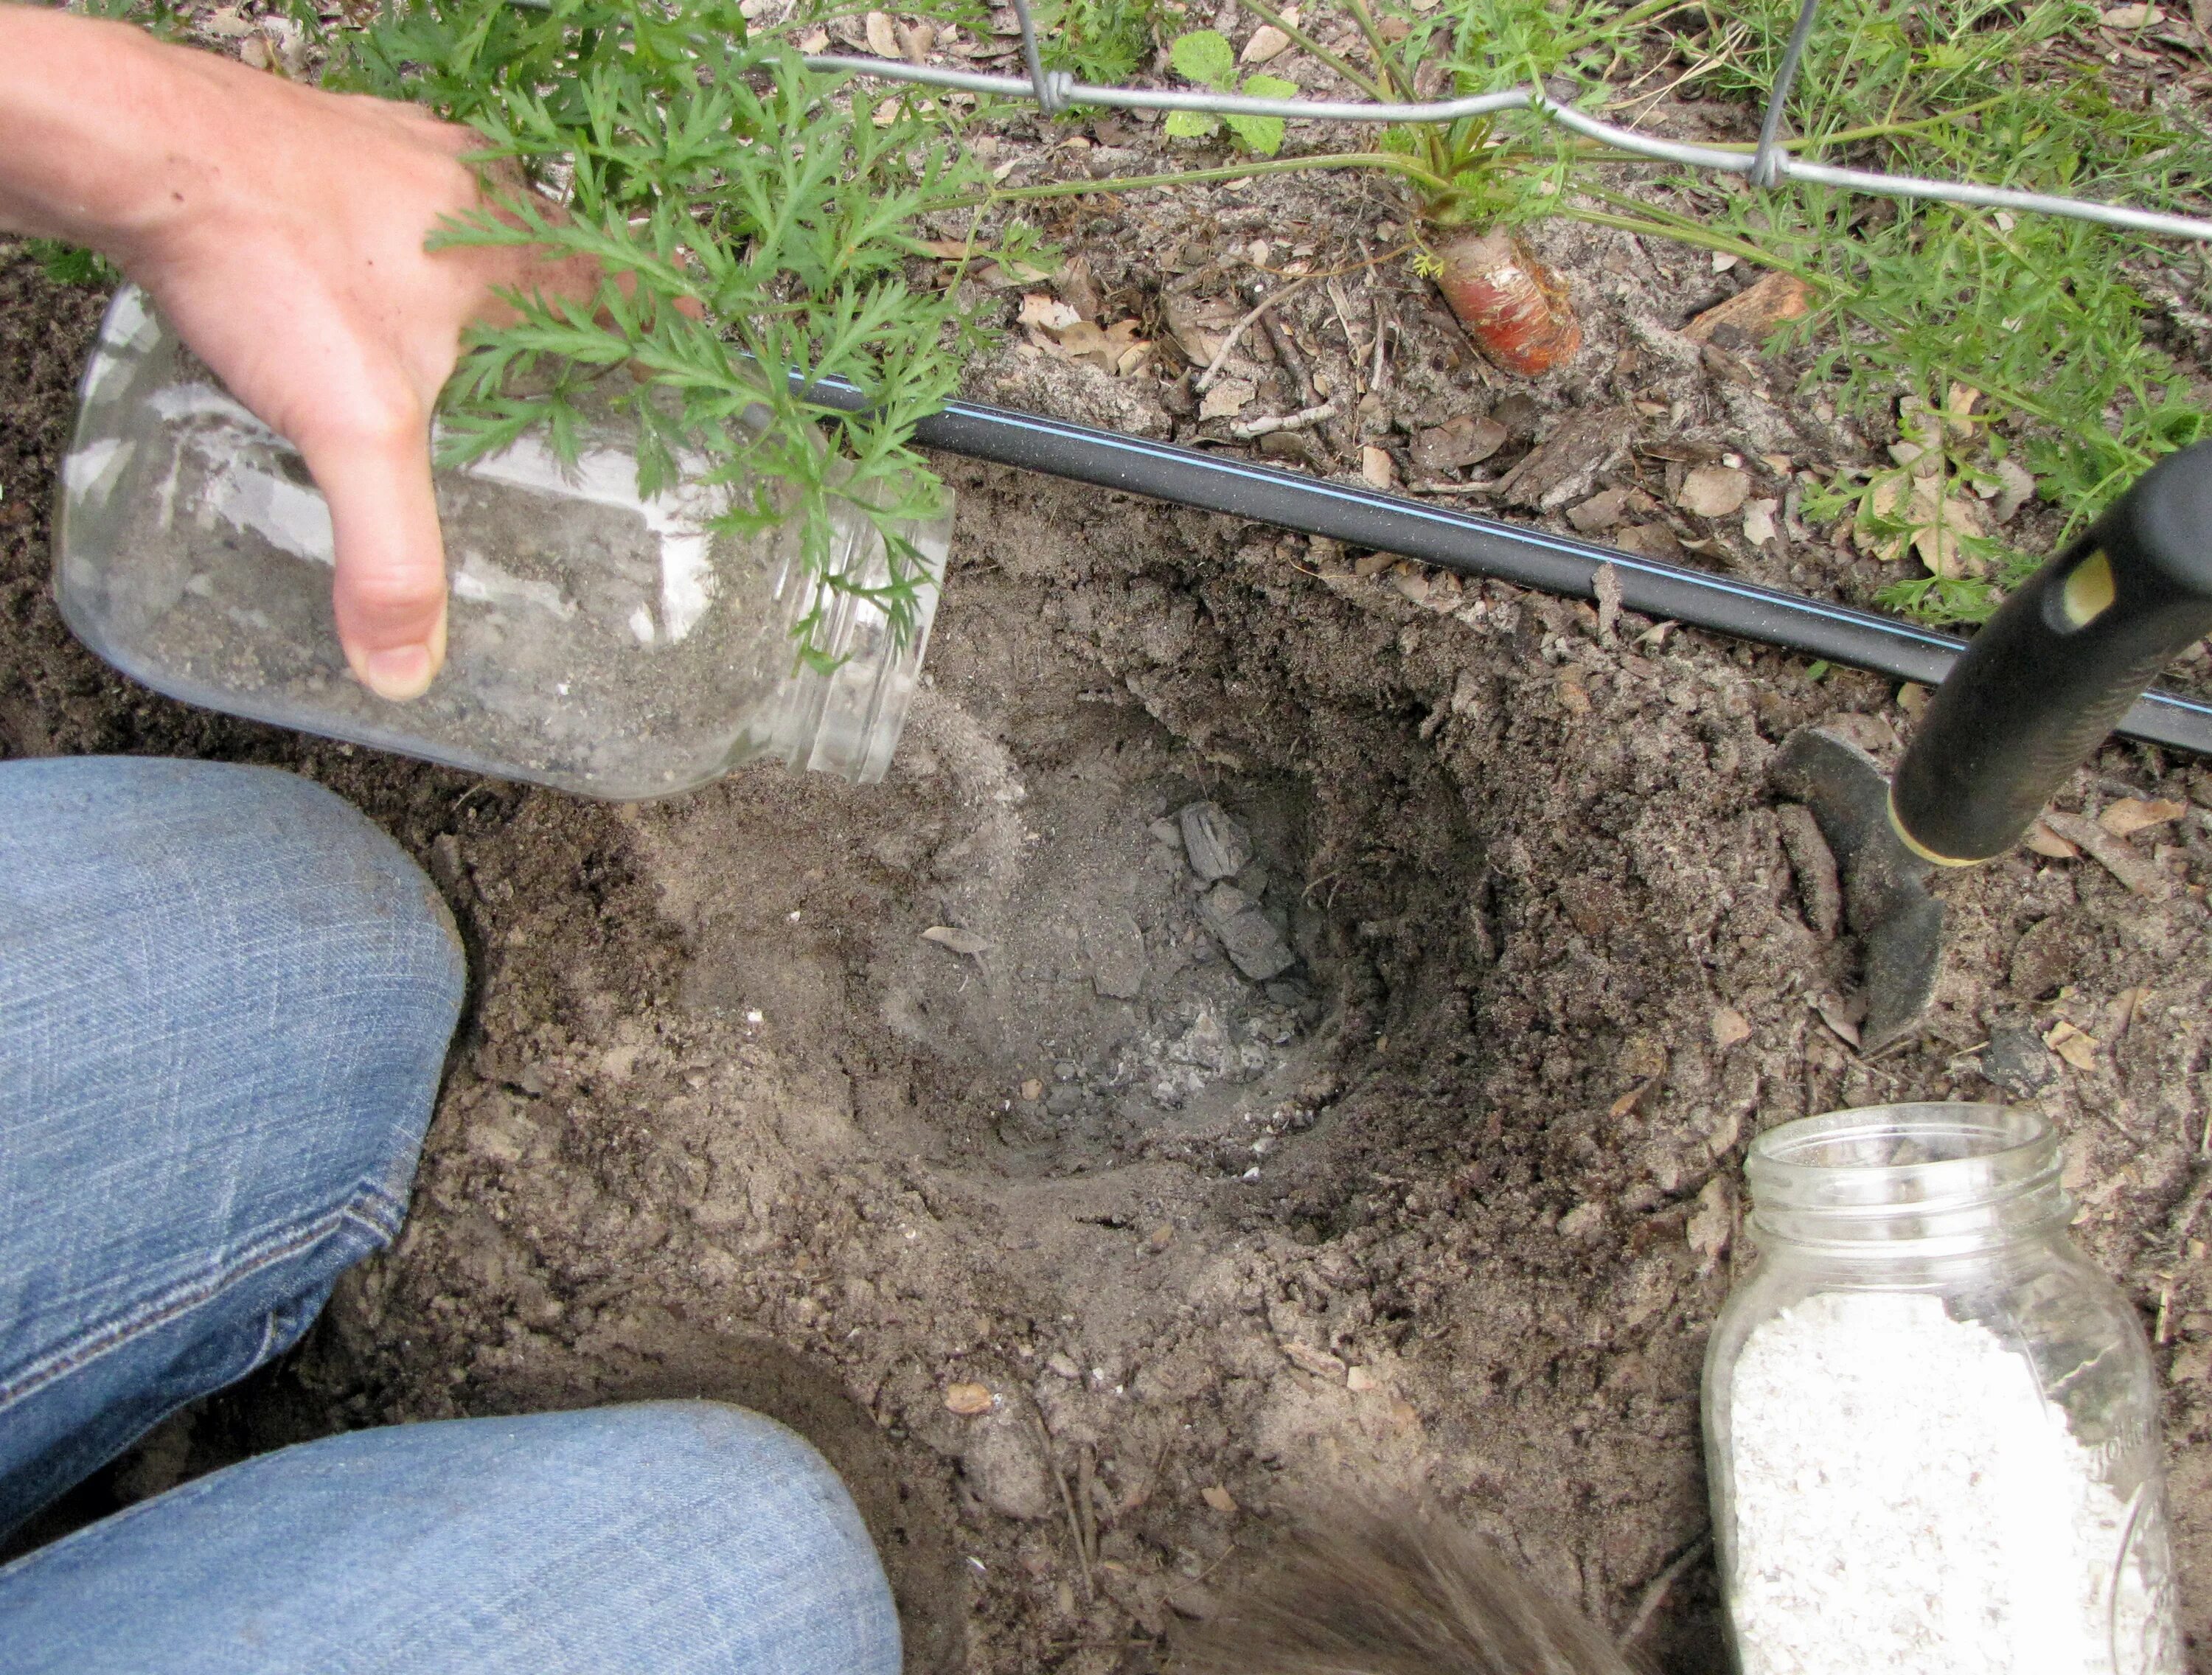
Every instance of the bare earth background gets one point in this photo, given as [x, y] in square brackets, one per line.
[1451, 1202]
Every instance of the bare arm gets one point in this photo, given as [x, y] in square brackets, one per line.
[281, 230]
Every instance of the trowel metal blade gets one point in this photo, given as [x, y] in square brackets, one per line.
[1885, 899]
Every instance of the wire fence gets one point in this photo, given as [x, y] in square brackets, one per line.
[1767, 164]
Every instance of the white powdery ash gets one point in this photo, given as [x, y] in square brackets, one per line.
[1907, 1503]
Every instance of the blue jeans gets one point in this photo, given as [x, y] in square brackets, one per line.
[224, 1003]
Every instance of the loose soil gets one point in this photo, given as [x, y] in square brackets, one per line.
[1451, 1201]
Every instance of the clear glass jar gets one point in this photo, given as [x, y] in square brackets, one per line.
[596, 641]
[1931, 1423]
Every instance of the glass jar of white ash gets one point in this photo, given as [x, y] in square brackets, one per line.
[1929, 1421]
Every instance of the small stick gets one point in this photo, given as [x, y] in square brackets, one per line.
[1207, 380]
[1298, 420]
[1067, 1503]
[2165, 1307]
[1294, 362]
[1656, 1594]
[1086, 1477]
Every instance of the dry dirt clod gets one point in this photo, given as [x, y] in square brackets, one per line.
[1218, 1497]
[1819, 887]
[1228, 398]
[1249, 938]
[1729, 1027]
[1320, 1362]
[1568, 463]
[2016, 1061]
[1215, 841]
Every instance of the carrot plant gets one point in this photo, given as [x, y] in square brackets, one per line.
[2026, 334]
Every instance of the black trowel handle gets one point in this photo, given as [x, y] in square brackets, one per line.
[2052, 672]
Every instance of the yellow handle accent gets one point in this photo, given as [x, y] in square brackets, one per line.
[1915, 844]
[2088, 591]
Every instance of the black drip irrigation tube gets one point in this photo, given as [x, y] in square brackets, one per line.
[1478, 546]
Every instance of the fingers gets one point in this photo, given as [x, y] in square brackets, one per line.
[390, 592]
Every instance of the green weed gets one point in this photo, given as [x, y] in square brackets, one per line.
[1204, 55]
[752, 219]
[67, 263]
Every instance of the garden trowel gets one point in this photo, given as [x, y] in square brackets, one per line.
[2034, 692]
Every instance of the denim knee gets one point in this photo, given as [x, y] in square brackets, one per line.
[675, 1538]
[225, 998]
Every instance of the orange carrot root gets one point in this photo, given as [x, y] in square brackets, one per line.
[1514, 306]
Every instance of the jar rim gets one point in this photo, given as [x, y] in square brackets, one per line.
[2013, 1130]
[1939, 1167]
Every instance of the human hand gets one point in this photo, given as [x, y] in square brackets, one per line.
[281, 230]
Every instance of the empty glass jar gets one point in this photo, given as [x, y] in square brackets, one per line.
[596, 641]
[1931, 1426]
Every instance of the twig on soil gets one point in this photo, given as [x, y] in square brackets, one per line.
[1302, 420]
[1208, 379]
[1086, 1480]
[1293, 362]
[1655, 1595]
[1351, 346]
[1067, 1503]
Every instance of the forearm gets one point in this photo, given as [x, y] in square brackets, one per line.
[105, 132]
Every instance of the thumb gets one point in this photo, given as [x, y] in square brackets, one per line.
[389, 590]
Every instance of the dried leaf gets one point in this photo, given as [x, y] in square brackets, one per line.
[2045, 841]
[1465, 441]
[1085, 342]
[1268, 42]
[1832, 1014]
[2135, 814]
[1218, 1497]
[1940, 519]
[1714, 491]
[1046, 312]
[959, 941]
[1759, 521]
[1600, 512]
[2078, 1047]
[2115, 855]
[969, 1399]
[1629, 1101]
[883, 38]
[1376, 465]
